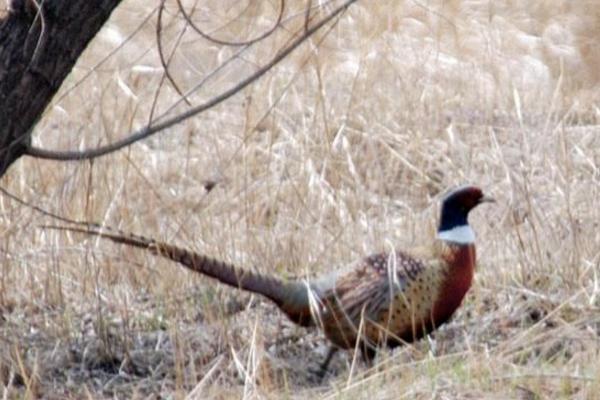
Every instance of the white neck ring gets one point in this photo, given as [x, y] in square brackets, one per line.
[462, 234]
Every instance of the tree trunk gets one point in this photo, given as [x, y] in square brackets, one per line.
[38, 48]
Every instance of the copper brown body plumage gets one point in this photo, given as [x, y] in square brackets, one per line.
[384, 299]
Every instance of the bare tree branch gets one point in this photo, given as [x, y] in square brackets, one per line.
[153, 129]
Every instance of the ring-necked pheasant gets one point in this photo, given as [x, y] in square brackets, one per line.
[384, 299]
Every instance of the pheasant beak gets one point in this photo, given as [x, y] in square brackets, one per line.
[487, 199]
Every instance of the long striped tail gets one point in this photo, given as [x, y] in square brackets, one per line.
[290, 297]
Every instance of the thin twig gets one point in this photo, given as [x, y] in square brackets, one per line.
[41, 210]
[164, 62]
[231, 43]
[95, 67]
[307, 15]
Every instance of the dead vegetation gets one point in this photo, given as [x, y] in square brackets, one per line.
[338, 152]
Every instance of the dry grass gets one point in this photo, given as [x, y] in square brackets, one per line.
[340, 151]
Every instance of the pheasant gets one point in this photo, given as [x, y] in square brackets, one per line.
[384, 299]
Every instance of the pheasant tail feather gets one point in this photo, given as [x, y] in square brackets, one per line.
[291, 297]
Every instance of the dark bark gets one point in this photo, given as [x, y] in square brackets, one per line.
[38, 49]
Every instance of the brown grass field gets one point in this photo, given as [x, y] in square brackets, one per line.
[341, 150]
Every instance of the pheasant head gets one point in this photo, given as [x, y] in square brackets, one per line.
[456, 205]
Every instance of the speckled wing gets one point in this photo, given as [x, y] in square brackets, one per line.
[368, 290]
[408, 312]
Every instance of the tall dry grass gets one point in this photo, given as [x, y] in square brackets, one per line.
[340, 151]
